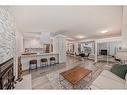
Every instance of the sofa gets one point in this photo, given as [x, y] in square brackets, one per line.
[108, 80]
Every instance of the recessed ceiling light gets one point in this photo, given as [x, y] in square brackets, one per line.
[105, 31]
[80, 36]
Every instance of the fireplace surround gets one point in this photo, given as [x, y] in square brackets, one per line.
[6, 75]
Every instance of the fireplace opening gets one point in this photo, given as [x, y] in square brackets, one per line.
[104, 52]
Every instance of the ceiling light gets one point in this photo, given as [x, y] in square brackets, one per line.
[80, 37]
[105, 31]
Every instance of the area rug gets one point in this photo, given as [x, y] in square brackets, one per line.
[52, 80]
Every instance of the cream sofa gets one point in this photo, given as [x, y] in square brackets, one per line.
[108, 80]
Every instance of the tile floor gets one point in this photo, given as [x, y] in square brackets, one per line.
[25, 83]
[48, 77]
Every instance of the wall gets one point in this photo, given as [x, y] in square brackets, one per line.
[32, 43]
[101, 46]
[19, 43]
[124, 28]
[110, 39]
[7, 35]
[114, 47]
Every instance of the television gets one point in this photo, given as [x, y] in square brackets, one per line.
[103, 52]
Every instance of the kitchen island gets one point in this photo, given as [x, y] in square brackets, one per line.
[26, 58]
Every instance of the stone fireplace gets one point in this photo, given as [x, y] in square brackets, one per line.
[6, 74]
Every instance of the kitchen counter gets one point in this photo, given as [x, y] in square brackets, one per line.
[38, 56]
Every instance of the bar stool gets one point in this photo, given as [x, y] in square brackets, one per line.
[44, 62]
[32, 62]
[52, 60]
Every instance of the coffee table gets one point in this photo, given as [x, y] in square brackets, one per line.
[75, 75]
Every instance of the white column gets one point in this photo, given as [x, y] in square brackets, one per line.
[124, 28]
[95, 51]
[19, 50]
[82, 48]
[76, 47]
[59, 46]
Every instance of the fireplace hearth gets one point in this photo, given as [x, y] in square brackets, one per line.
[6, 75]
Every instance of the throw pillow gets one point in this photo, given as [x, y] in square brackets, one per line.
[126, 81]
[119, 70]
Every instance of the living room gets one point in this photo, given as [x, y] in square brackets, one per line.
[63, 47]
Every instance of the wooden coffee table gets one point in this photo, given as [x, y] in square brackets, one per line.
[75, 74]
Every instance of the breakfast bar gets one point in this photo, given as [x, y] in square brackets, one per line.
[25, 59]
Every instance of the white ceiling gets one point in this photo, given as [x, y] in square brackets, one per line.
[71, 21]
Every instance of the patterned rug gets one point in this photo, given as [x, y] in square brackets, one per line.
[55, 79]
[52, 80]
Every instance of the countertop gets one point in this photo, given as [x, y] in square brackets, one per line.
[39, 54]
